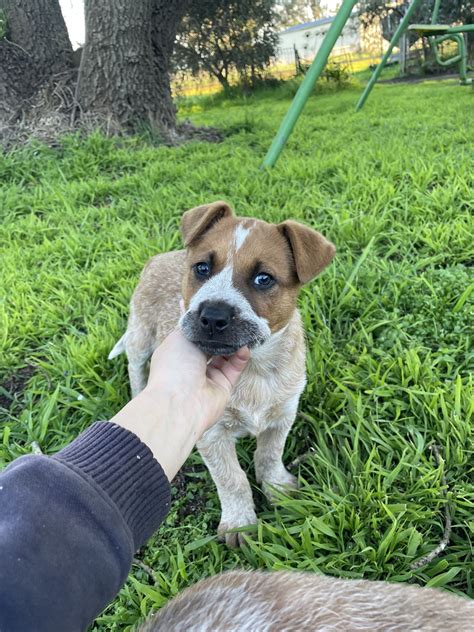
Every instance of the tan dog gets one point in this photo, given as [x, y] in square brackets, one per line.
[239, 279]
[243, 601]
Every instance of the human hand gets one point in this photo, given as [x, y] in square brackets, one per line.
[184, 397]
[199, 388]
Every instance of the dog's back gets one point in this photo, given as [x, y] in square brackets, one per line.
[155, 302]
[249, 601]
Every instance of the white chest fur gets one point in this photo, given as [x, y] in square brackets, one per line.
[270, 385]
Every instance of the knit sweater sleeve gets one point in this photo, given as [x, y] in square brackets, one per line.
[70, 524]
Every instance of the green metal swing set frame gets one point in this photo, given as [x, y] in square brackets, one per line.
[437, 33]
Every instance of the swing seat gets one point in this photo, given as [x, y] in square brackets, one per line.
[430, 29]
[437, 34]
[442, 32]
[440, 29]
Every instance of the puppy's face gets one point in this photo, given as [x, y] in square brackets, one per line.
[243, 276]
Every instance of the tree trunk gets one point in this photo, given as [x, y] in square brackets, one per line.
[38, 27]
[17, 80]
[403, 54]
[222, 79]
[166, 18]
[36, 46]
[124, 73]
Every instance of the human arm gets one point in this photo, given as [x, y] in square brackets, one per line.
[70, 524]
[190, 394]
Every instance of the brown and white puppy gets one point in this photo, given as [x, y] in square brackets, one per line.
[239, 279]
[246, 601]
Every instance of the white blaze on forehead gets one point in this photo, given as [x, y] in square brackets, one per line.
[240, 235]
[220, 288]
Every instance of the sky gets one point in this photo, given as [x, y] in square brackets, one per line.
[73, 12]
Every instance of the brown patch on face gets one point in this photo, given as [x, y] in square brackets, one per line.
[212, 248]
[264, 250]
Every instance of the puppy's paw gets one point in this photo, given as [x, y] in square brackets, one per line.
[232, 540]
[236, 539]
[283, 480]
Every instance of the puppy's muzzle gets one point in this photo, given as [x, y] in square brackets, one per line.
[219, 328]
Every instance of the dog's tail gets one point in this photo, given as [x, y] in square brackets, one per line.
[119, 348]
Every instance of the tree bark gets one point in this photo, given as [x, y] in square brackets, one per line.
[38, 28]
[36, 47]
[166, 18]
[124, 73]
[17, 80]
[222, 80]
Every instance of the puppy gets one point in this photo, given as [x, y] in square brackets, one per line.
[246, 601]
[239, 279]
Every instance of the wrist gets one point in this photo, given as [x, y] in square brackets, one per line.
[183, 411]
[161, 421]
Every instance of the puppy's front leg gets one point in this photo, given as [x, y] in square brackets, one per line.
[137, 375]
[217, 448]
[269, 469]
[139, 348]
[139, 351]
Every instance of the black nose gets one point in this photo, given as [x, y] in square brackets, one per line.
[214, 318]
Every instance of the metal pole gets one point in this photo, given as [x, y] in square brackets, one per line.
[308, 82]
[393, 42]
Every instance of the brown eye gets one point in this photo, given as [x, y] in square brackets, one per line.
[202, 270]
[263, 281]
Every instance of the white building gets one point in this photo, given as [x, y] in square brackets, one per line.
[307, 38]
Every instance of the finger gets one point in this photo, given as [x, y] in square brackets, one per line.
[236, 364]
[218, 379]
[218, 361]
[226, 372]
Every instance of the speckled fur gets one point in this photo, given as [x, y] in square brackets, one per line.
[265, 400]
[246, 601]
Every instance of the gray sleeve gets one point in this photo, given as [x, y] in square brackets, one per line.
[69, 526]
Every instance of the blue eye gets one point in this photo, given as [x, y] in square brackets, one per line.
[263, 280]
[202, 270]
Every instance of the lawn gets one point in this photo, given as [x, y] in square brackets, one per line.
[390, 357]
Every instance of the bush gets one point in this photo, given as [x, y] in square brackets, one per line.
[337, 73]
[334, 77]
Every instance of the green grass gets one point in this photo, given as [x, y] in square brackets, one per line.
[390, 356]
[392, 71]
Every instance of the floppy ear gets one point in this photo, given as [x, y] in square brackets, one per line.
[197, 221]
[311, 251]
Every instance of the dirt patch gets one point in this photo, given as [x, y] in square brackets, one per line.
[189, 491]
[12, 388]
[420, 79]
[52, 125]
[187, 131]
[52, 113]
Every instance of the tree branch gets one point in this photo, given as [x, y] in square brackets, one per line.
[426, 559]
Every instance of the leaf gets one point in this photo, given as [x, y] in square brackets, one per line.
[444, 578]
[148, 591]
[197, 544]
[323, 527]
